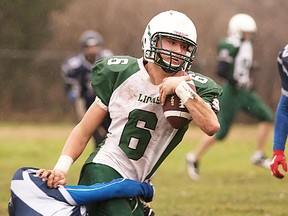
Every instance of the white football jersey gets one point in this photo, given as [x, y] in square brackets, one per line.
[139, 137]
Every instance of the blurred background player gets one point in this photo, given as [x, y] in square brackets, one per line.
[235, 59]
[77, 73]
[281, 117]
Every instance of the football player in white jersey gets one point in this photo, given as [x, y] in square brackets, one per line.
[133, 90]
[235, 60]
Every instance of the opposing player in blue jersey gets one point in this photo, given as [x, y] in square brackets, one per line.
[30, 196]
[77, 74]
[139, 137]
[281, 118]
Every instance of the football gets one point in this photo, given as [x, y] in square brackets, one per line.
[175, 112]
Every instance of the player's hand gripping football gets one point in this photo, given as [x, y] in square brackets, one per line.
[169, 85]
[277, 159]
[54, 178]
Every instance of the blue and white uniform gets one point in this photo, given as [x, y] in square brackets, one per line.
[281, 118]
[30, 196]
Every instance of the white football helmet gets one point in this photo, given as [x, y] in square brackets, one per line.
[240, 23]
[91, 37]
[175, 25]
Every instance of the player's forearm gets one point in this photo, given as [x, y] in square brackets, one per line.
[83, 131]
[72, 149]
[75, 143]
[201, 113]
[203, 116]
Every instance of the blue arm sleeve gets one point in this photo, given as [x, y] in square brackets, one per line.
[281, 124]
[118, 188]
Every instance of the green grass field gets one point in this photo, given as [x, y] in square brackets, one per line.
[229, 185]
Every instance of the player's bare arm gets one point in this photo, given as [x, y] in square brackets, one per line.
[202, 114]
[74, 146]
[83, 131]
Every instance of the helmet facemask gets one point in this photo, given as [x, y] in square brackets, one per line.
[157, 52]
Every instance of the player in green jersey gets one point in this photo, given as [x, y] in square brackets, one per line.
[235, 56]
[133, 90]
